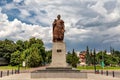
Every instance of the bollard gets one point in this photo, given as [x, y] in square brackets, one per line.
[12, 71]
[15, 71]
[102, 72]
[18, 71]
[113, 74]
[97, 72]
[8, 73]
[1, 73]
[106, 73]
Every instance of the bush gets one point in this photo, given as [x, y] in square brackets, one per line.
[34, 59]
[15, 58]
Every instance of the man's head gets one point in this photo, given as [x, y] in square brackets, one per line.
[58, 16]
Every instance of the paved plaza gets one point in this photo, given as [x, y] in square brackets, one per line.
[27, 76]
[90, 76]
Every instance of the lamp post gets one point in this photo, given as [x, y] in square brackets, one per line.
[94, 60]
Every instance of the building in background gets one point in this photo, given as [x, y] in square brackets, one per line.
[3, 61]
[82, 58]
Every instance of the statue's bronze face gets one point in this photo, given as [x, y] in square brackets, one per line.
[58, 16]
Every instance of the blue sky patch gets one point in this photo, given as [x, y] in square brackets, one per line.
[9, 1]
[4, 2]
[12, 14]
[21, 3]
[32, 14]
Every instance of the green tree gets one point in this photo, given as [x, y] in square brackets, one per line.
[7, 48]
[25, 54]
[31, 44]
[109, 59]
[117, 54]
[72, 59]
[15, 58]
[20, 45]
[91, 57]
[1, 49]
[87, 56]
[32, 40]
[26, 44]
[75, 59]
[40, 46]
[99, 57]
[115, 61]
[69, 58]
[34, 59]
[48, 56]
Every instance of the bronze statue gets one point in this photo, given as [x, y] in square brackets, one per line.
[58, 30]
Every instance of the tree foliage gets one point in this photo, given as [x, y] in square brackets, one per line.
[48, 56]
[72, 59]
[32, 51]
[34, 59]
[109, 59]
[69, 58]
[6, 48]
[88, 60]
[15, 58]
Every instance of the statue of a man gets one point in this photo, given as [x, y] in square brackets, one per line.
[58, 30]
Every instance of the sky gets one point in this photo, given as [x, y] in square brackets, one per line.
[93, 23]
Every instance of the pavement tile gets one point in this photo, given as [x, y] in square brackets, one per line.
[26, 76]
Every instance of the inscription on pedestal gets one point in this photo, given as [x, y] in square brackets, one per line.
[59, 50]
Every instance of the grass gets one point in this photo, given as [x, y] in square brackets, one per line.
[97, 68]
[11, 67]
[79, 68]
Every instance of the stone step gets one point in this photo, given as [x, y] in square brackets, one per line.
[56, 71]
[61, 73]
[58, 68]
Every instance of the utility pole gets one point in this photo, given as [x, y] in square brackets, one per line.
[94, 60]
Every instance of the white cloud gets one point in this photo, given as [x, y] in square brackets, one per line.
[99, 7]
[3, 16]
[24, 13]
[16, 30]
[86, 21]
[17, 0]
[115, 15]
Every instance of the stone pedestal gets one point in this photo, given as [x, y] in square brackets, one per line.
[58, 67]
[58, 55]
[58, 73]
